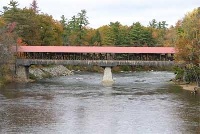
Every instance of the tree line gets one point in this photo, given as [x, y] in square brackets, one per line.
[35, 28]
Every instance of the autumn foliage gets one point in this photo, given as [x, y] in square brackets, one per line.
[188, 38]
[35, 28]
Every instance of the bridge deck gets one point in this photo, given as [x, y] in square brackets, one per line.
[28, 62]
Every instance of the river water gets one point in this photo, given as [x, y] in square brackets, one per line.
[138, 103]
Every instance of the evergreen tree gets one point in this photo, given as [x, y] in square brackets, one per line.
[140, 36]
[96, 39]
[66, 30]
[153, 23]
[82, 22]
[13, 5]
[34, 6]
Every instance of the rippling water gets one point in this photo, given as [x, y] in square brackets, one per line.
[138, 103]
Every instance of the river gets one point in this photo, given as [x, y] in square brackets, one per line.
[138, 103]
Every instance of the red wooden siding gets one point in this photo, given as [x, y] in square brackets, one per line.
[94, 49]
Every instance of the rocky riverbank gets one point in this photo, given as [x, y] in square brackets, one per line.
[36, 73]
[48, 72]
[191, 87]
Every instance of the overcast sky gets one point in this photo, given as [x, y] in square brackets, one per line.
[102, 12]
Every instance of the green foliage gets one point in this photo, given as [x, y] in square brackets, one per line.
[160, 33]
[120, 33]
[13, 4]
[96, 38]
[66, 31]
[153, 23]
[192, 73]
[109, 39]
[140, 36]
[41, 29]
[50, 30]
[107, 35]
[27, 24]
[33, 28]
[158, 25]
[126, 68]
[75, 28]
[179, 73]
[123, 38]
[189, 74]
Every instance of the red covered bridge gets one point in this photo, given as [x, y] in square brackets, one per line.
[93, 55]
[96, 49]
[86, 53]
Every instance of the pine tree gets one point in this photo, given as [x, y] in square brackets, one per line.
[34, 6]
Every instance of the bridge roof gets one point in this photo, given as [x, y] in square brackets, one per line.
[96, 49]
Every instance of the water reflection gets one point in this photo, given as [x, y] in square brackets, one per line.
[142, 102]
[190, 111]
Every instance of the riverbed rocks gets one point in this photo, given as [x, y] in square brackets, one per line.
[196, 90]
[52, 71]
[36, 73]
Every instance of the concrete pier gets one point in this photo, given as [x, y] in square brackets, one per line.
[107, 77]
[22, 72]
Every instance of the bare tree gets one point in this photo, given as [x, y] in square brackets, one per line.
[7, 43]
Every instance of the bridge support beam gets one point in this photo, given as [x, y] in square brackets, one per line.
[107, 77]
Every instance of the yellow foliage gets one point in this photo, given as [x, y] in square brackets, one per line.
[2, 22]
[188, 42]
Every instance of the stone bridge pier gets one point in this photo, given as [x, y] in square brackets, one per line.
[22, 72]
[107, 75]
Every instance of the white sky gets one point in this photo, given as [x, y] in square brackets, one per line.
[102, 12]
